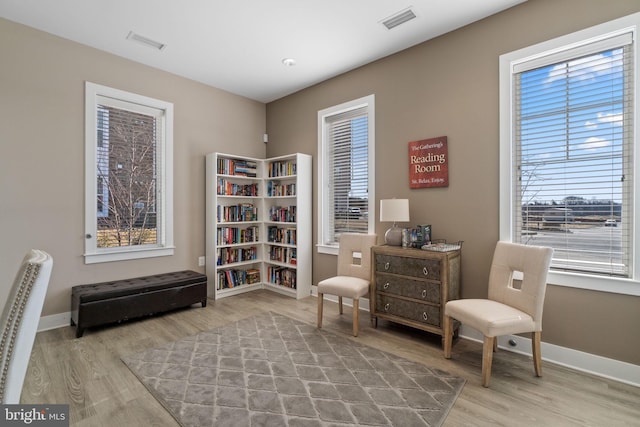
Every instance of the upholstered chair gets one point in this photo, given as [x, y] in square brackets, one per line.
[517, 285]
[20, 318]
[354, 274]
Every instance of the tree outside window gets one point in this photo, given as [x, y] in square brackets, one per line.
[126, 174]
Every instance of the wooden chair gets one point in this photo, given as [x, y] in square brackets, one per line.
[20, 318]
[517, 285]
[354, 274]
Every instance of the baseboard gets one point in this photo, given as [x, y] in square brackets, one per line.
[54, 321]
[616, 370]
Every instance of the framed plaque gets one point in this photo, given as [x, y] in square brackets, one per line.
[429, 163]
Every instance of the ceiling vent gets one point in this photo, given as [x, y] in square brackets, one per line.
[398, 18]
[145, 41]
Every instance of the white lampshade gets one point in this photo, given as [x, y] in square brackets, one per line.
[394, 210]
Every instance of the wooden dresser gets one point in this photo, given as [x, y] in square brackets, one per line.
[411, 286]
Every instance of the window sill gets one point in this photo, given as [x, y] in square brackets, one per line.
[328, 249]
[594, 283]
[128, 254]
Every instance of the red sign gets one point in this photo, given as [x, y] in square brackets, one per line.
[429, 163]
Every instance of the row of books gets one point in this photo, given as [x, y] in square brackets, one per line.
[233, 278]
[228, 188]
[274, 189]
[286, 236]
[232, 235]
[284, 255]
[282, 214]
[231, 255]
[282, 168]
[237, 213]
[282, 276]
[238, 167]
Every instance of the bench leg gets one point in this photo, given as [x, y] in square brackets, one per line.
[204, 302]
[79, 332]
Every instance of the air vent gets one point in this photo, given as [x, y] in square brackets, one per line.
[398, 18]
[145, 41]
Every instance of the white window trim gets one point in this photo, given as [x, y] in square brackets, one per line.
[507, 63]
[369, 102]
[92, 253]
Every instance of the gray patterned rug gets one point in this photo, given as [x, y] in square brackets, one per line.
[270, 370]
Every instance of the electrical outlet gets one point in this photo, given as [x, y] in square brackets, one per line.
[201, 261]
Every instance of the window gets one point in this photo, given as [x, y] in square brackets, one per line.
[567, 154]
[345, 171]
[128, 206]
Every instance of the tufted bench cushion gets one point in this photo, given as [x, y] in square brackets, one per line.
[102, 303]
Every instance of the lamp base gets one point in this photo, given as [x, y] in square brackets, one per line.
[393, 236]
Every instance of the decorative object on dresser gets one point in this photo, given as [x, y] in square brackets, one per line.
[517, 285]
[354, 274]
[411, 286]
[416, 237]
[19, 322]
[394, 210]
[258, 224]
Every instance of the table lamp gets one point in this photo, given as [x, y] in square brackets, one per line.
[394, 210]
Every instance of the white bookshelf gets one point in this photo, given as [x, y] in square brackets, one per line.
[259, 225]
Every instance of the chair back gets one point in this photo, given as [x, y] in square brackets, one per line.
[518, 277]
[354, 256]
[19, 322]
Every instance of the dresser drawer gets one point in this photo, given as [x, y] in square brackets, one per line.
[411, 288]
[415, 267]
[421, 313]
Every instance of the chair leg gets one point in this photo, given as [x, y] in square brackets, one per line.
[487, 358]
[537, 356]
[371, 308]
[340, 304]
[356, 316]
[320, 300]
[448, 336]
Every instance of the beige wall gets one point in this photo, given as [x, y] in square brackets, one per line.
[42, 154]
[449, 86]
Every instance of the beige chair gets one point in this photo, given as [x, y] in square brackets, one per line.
[517, 284]
[354, 274]
[20, 318]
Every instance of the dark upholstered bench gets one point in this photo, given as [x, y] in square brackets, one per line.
[102, 303]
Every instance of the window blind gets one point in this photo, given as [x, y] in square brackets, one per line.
[348, 181]
[573, 156]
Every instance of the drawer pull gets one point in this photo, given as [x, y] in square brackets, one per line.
[386, 307]
[425, 271]
[424, 293]
[386, 265]
[386, 285]
[424, 316]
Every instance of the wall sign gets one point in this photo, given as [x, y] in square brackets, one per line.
[429, 163]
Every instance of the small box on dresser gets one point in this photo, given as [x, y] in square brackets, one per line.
[411, 286]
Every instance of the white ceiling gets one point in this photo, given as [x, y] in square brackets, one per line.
[239, 45]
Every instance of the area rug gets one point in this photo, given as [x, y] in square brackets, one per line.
[271, 370]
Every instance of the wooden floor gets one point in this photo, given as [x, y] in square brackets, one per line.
[87, 373]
